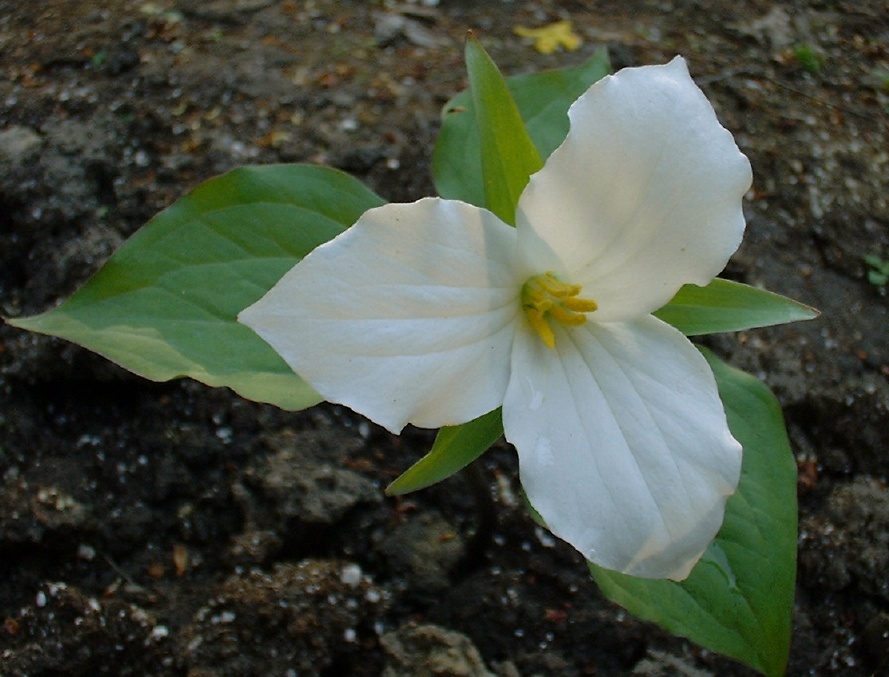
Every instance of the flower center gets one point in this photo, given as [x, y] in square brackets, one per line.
[545, 296]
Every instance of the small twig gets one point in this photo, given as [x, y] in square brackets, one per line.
[731, 73]
[823, 102]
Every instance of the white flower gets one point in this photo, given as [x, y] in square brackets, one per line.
[436, 312]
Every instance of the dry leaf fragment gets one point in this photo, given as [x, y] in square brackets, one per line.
[547, 39]
[180, 559]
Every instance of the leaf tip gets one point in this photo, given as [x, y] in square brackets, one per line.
[27, 323]
[400, 487]
[809, 312]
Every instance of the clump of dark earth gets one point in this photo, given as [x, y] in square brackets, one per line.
[172, 530]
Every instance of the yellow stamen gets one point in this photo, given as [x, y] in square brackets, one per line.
[580, 305]
[568, 317]
[544, 295]
[542, 328]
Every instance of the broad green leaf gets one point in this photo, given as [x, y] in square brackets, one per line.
[455, 447]
[724, 305]
[165, 304]
[543, 100]
[508, 156]
[739, 598]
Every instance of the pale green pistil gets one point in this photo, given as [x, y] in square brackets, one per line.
[545, 296]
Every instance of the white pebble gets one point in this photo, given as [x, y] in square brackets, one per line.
[351, 575]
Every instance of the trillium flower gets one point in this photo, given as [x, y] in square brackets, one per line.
[437, 312]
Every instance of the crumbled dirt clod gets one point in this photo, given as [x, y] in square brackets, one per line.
[423, 551]
[303, 618]
[431, 651]
[66, 632]
[849, 546]
[110, 111]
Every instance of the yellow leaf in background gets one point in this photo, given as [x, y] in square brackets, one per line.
[547, 39]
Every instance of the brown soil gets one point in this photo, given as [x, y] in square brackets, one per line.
[171, 529]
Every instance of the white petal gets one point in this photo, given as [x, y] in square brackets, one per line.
[643, 196]
[407, 317]
[623, 444]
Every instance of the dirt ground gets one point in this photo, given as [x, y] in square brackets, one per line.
[172, 529]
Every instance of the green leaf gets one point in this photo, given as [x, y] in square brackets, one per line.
[877, 278]
[739, 598]
[165, 305]
[879, 273]
[543, 100]
[455, 447]
[724, 305]
[508, 156]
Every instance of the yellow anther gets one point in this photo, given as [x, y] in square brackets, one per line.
[542, 328]
[580, 305]
[568, 317]
[544, 295]
[555, 288]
